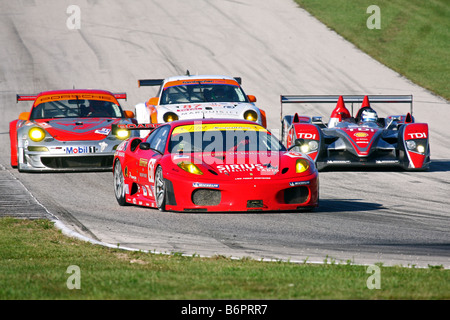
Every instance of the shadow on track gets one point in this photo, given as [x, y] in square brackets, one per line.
[347, 205]
[441, 165]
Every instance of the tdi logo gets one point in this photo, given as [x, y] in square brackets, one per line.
[304, 135]
[80, 150]
[417, 135]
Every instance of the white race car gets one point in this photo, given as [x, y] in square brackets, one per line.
[198, 97]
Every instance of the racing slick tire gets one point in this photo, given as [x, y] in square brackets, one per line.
[160, 189]
[119, 184]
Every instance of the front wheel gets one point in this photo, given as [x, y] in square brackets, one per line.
[160, 189]
[119, 184]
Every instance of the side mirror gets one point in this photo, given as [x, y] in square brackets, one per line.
[153, 101]
[251, 98]
[129, 114]
[24, 116]
[144, 146]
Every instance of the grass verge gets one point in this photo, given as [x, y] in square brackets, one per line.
[35, 258]
[413, 38]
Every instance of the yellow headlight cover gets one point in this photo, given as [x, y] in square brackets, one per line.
[301, 165]
[36, 134]
[250, 115]
[170, 116]
[190, 167]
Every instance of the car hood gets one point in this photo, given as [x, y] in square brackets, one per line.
[246, 165]
[208, 110]
[361, 138]
[78, 129]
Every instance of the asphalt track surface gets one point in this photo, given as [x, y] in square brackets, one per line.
[365, 217]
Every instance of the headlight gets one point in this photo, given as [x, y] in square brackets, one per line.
[301, 165]
[411, 144]
[36, 134]
[123, 134]
[170, 116]
[190, 167]
[250, 115]
[311, 146]
[416, 145]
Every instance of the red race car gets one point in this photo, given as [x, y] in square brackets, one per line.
[212, 165]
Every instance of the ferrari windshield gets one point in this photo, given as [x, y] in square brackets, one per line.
[222, 138]
[202, 92]
[76, 108]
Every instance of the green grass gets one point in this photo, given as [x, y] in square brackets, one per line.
[414, 37]
[35, 256]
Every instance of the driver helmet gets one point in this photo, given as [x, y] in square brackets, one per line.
[369, 115]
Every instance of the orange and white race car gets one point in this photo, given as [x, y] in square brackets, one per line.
[198, 97]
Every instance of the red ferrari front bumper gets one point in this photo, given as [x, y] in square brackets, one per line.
[246, 194]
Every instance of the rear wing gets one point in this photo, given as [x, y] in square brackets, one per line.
[120, 95]
[150, 82]
[32, 97]
[347, 99]
[25, 97]
[158, 82]
[132, 126]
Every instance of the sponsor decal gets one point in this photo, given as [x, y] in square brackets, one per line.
[227, 168]
[138, 126]
[294, 154]
[131, 176]
[361, 134]
[103, 146]
[240, 167]
[149, 191]
[176, 157]
[71, 96]
[204, 185]
[299, 183]
[189, 107]
[219, 126]
[104, 131]
[304, 135]
[387, 161]
[200, 81]
[359, 129]
[122, 146]
[338, 161]
[143, 162]
[81, 150]
[151, 170]
[417, 135]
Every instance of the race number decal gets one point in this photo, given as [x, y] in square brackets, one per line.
[151, 170]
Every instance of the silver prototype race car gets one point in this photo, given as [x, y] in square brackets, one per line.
[362, 140]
